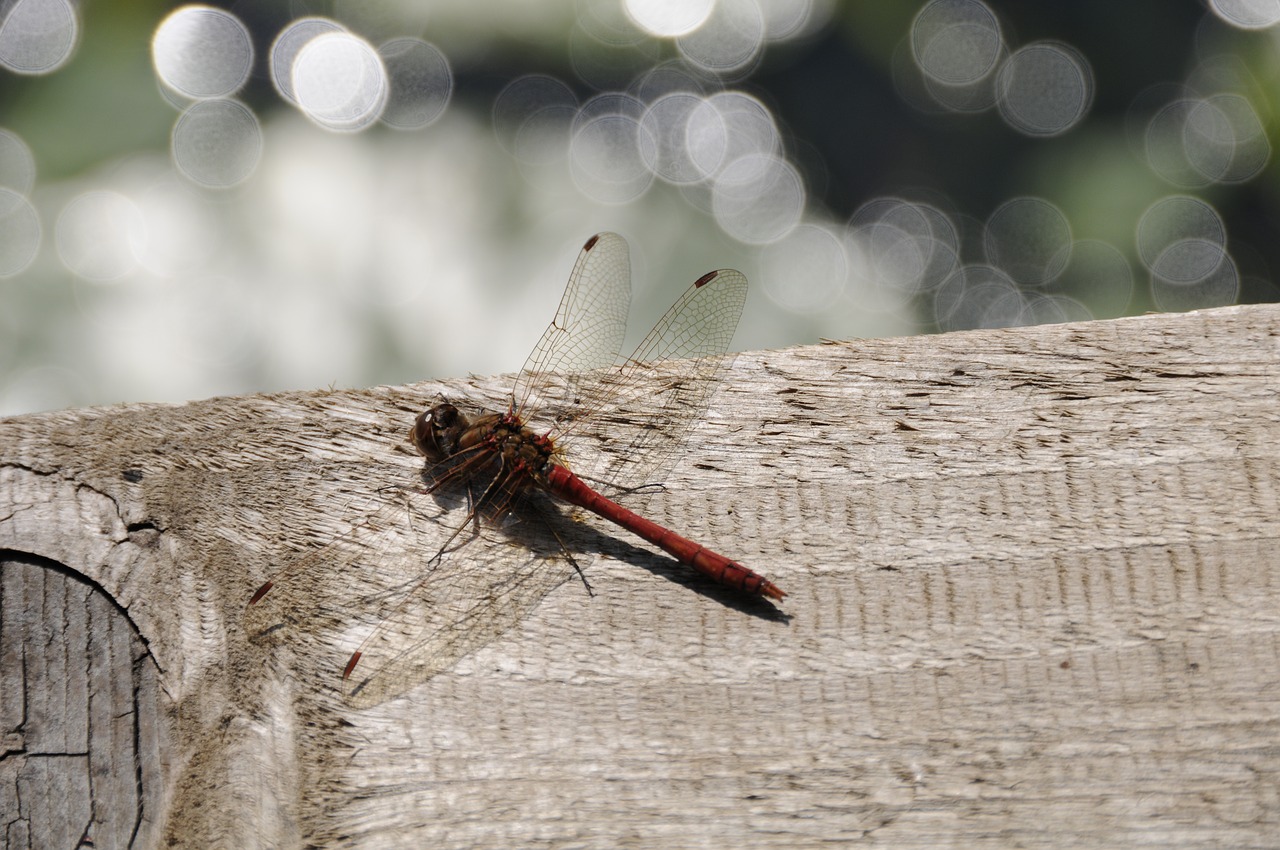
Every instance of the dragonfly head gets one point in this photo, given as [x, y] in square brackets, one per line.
[437, 431]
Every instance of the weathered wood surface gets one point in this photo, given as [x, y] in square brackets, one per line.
[1035, 601]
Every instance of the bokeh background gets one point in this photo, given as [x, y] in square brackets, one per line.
[199, 200]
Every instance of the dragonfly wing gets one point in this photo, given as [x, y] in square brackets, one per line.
[588, 329]
[465, 601]
[645, 407]
[412, 610]
[322, 590]
[289, 595]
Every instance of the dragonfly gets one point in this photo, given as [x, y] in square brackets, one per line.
[573, 382]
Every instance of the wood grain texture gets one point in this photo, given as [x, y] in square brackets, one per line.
[78, 714]
[1035, 601]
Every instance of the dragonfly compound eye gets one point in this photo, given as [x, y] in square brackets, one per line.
[436, 431]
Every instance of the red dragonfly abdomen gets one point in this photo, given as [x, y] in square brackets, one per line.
[563, 483]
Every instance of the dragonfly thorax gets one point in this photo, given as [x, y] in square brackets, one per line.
[443, 432]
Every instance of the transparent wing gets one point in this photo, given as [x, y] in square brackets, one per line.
[408, 609]
[588, 329]
[323, 589]
[467, 600]
[645, 407]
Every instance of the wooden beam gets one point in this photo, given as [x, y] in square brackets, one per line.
[1034, 601]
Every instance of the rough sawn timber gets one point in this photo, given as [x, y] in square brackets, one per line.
[1034, 582]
